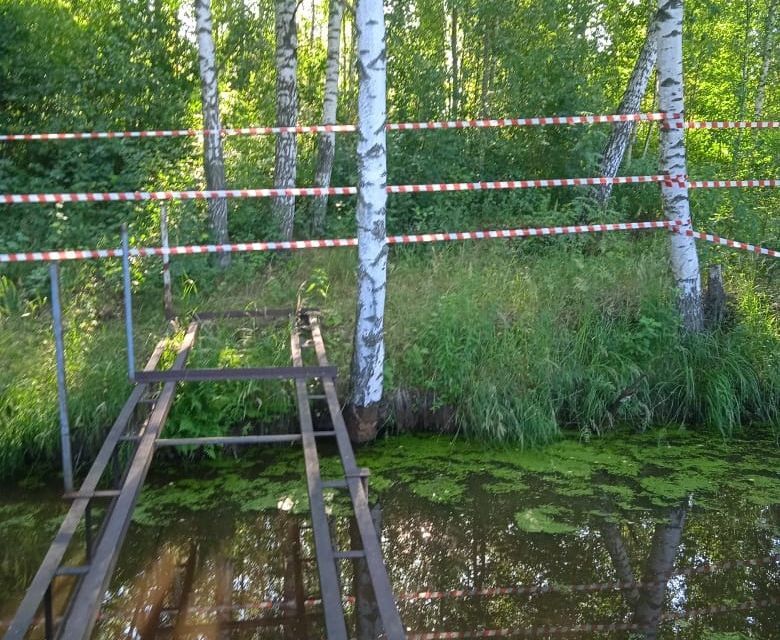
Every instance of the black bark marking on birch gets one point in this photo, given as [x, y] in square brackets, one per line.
[378, 62]
[376, 151]
[669, 82]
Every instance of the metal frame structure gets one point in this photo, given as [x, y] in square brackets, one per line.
[137, 431]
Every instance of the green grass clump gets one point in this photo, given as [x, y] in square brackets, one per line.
[524, 344]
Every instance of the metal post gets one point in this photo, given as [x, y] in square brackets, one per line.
[166, 260]
[128, 304]
[48, 615]
[88, 531]
[62, 390]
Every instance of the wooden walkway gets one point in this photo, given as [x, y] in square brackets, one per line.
[135, 435]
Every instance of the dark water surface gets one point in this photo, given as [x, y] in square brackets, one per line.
[697, 521]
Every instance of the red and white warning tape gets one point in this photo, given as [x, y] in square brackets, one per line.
[480, 123]
[734, 244]
[720, 184]
[135, 196]
[338, 128]
[728, 124]
[139, 196]
[549, 630]
[530, 589]
[292, 245]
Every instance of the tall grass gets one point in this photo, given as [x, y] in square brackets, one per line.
[525, 343]
[522, 339]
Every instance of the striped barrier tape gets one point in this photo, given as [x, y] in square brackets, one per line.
[293, 245]
[212, 194]
[548, 630]
[727, 124]
[534, 589]
[586, 587]
[734, 244]
[720, 184]
[337, 128]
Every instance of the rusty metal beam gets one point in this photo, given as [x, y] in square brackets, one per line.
[388, 611]
[262, 314]
[36, 592]
[236, 440]
[256, 373]
[87, 598]
[330, 589]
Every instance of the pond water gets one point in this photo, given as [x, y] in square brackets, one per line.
[694, 520]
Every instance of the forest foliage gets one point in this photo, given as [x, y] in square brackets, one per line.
[70, 65]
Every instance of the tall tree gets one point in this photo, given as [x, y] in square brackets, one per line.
[369, 349]
[767, 54]
[326, 143]
[685, 260]
[455, 90]
[622, 132]
[213, 155]
[286, 112]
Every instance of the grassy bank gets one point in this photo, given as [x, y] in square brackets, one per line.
[520, 340]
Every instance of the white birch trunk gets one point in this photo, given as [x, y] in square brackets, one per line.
[213, 155]
[369, 349]
[685, 260]
[622, 132]
[286, 112]
[766, 57]
[326, 143]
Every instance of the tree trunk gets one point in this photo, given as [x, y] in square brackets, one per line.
[326, 144]
[660, 564]
[486, 68]
[286, 113]
[455, 97]
[621, 135]
[616, 548]
[369, 349]
[685, 260]
[213, 155]
[766, 57]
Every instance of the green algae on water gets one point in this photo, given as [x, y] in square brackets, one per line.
[543, 520]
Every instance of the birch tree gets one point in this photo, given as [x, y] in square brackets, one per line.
[685, 260]
[213, 156]
[455, 91]
[622, 132]
[766, 56]
[369, 348]
[326, 143]
[286, 113]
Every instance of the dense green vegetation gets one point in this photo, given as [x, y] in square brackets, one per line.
[520, 339]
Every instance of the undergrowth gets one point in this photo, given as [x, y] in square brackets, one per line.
[521, 339]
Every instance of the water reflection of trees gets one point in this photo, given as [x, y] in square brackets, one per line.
[201, 577]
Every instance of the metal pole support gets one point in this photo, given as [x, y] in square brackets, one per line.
[166, 260]
[62, 390]
[128, 297]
